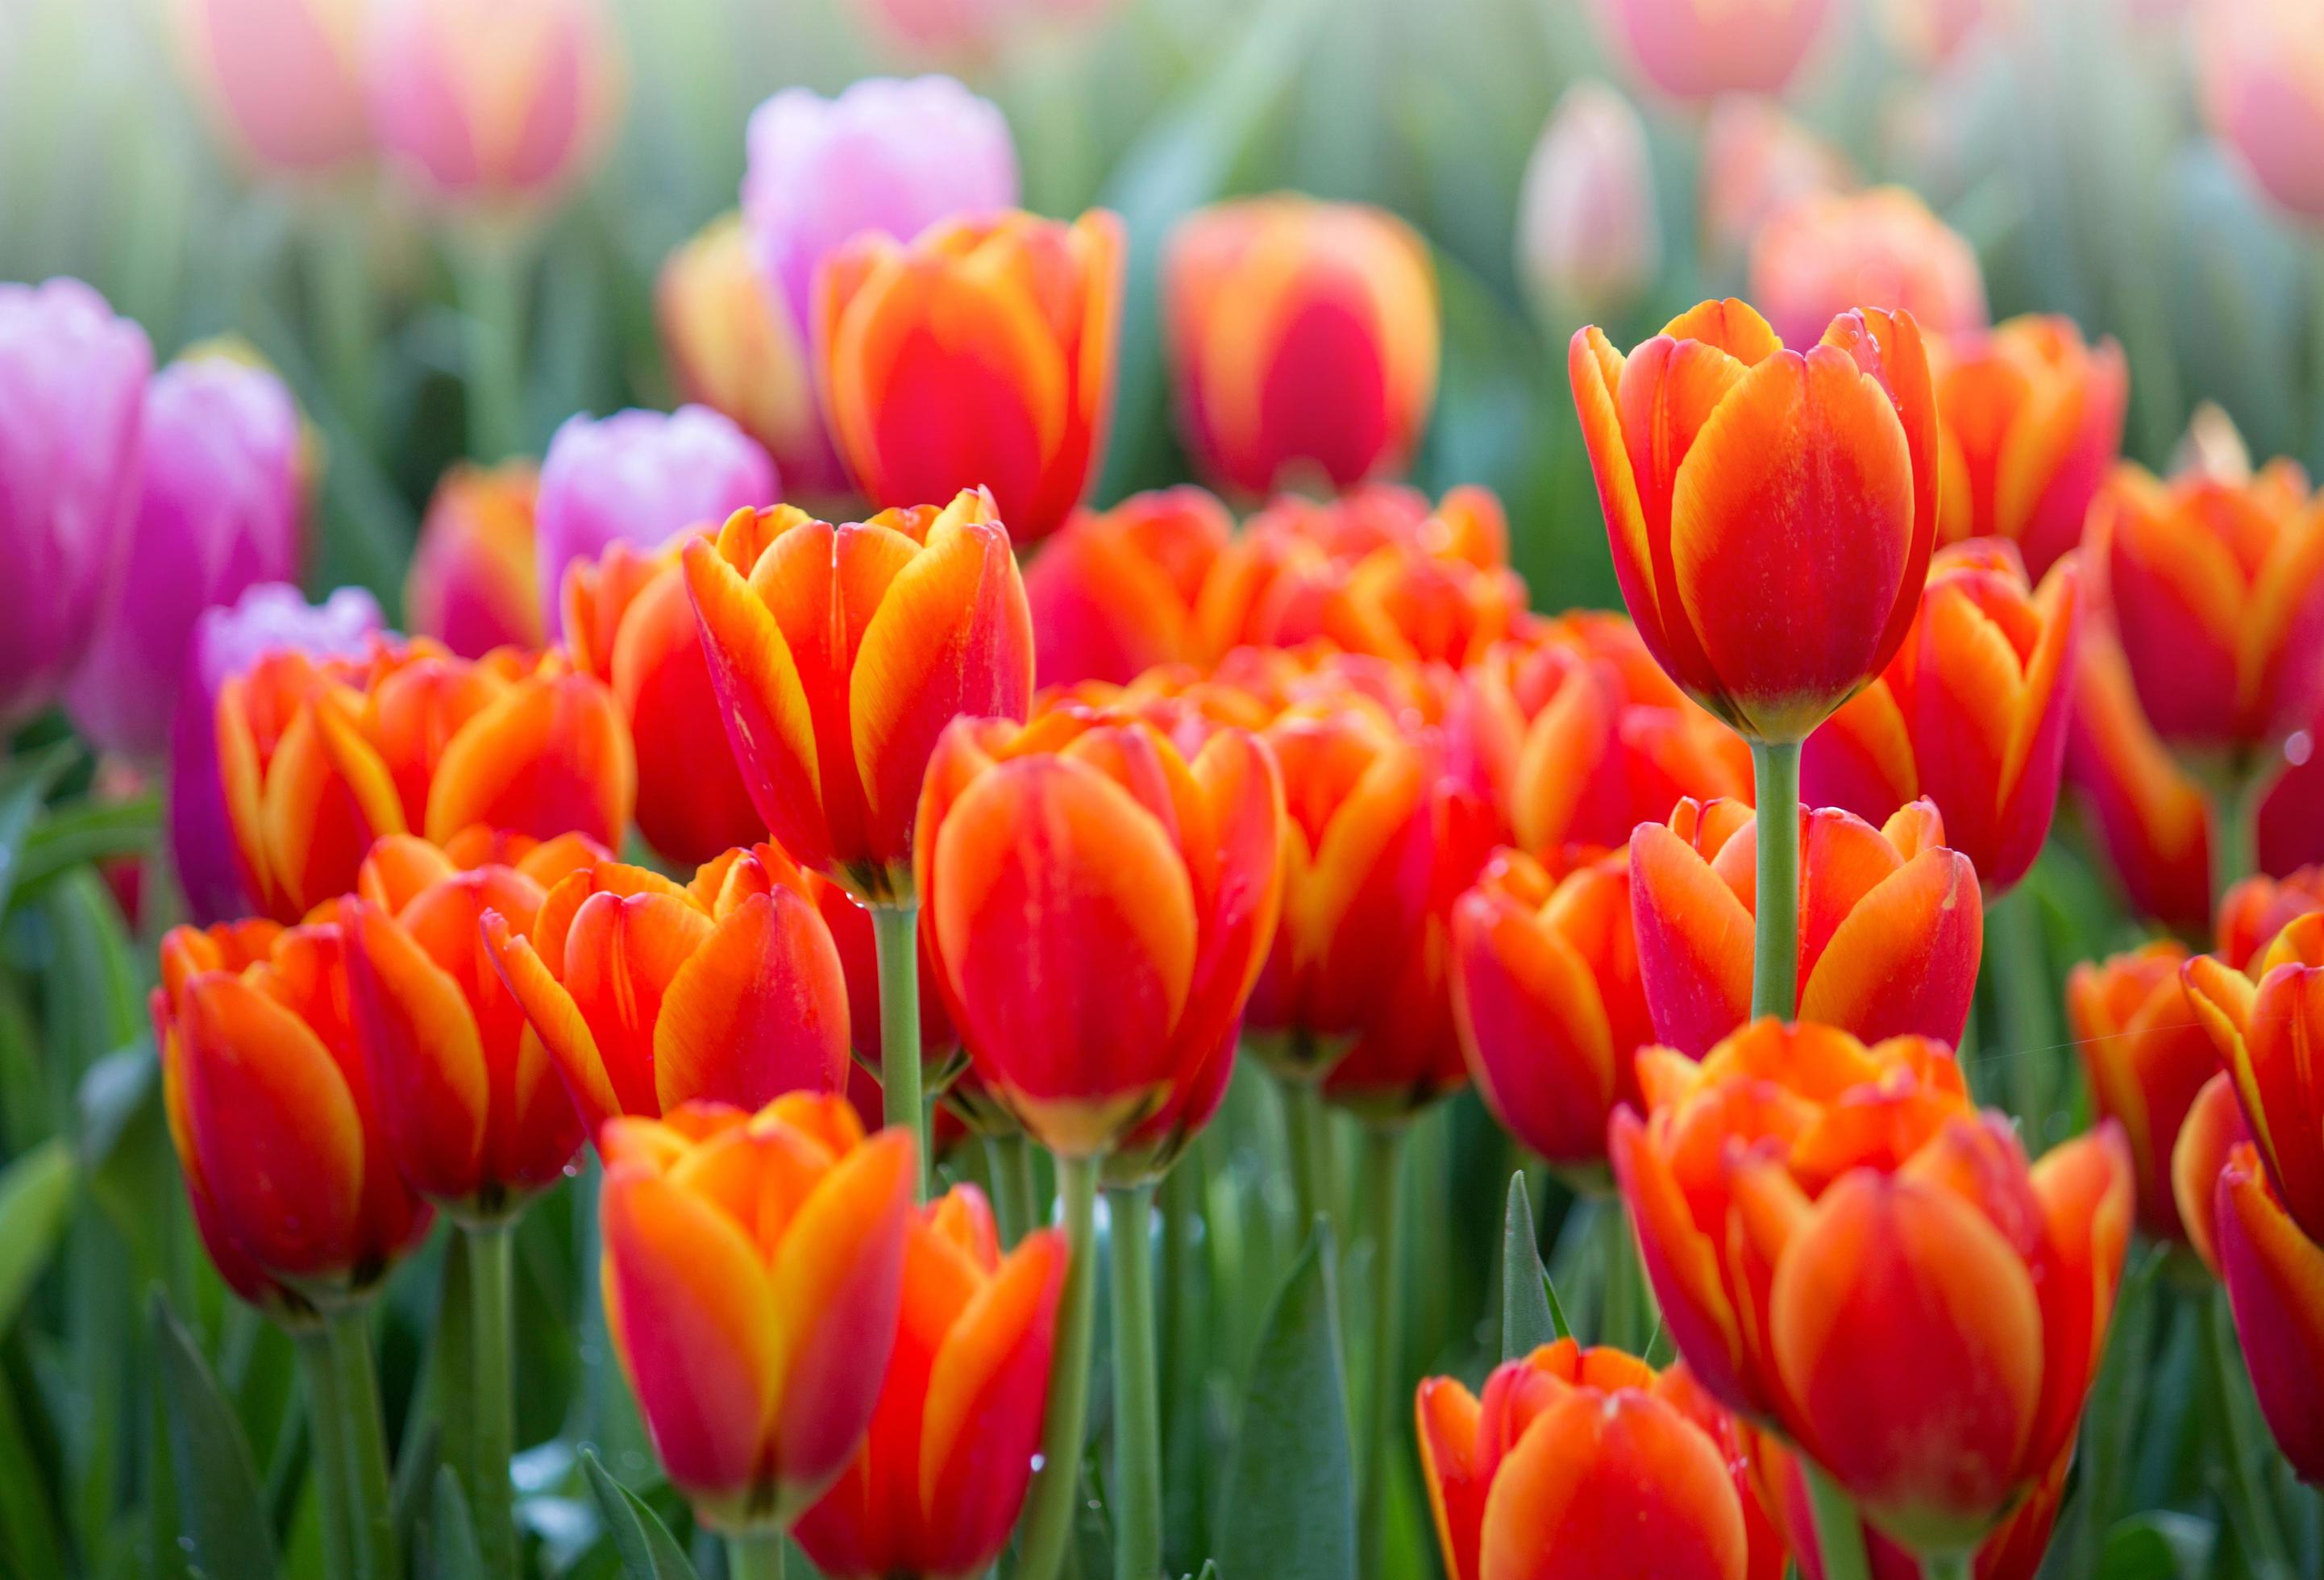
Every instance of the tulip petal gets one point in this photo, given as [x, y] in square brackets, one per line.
[1695, 941]
[1904, 961]
[760, 1009]
[423, 1054]
[2274, 1276]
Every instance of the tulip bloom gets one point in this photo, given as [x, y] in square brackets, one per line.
[1303, 339]
[2254, 912]
[2151, 821]
[2145, 1059]
[1588, 239]
[1551, 1008]
[1113, 594]
[647, 993]
[937, 1485]
[2262, 68]
[72, 378]
[2274, 1269]
[1890, 923]
[472, 585]
[754, 1277]
[1023, 311]
[2214, 1128]
[1758, 161]
[279, 77]
[2013, 1551]
[1881, 248]
[1971, 712]
[840, 652]
[2265, 1021]
[1844, 1247]
[1693, 51]
[1576, 1464]
[1769, 600]
[283, 1147]
[2032, 423]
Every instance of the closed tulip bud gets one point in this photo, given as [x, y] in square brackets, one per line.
[2255, 910]
[1844, 1247]
[491, 104]
[1880, 248]
[1588, 239]
[279, 77]
[754, 1283]
[2013, 1551]
[1693, 51]
[72, 378]
[284, 1150]
[638, 477]
[1756, 162]
[935, 1488]
[1971, 712]
[2261, 64]
[839, 653]
[647, 993]
[1577, 1464]
[2152, 822]
[1890, 923]
[1303, 339]
[1768, 601]
[2213, 1128]
[1113, 594]
[2264, 1020]
[472, 585]
[1098, 906]
[2145, 1059]
[1551, 1009]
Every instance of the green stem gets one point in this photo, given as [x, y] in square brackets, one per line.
[755, 1556]
[328, 1429]
[346, 312]
[1016, 1196]
[1949, 1565]
[1839, 1530]
[1049, 1507]
[896, 936]
[1137, 1502]
[1308, 1137]
[370, 1509]
[1618, 1265]
[492, 1407]
[1775, 945]
[489, 269]
[1383, 1208]
[2223, 1348]
[2023, 993]
[2235, 853]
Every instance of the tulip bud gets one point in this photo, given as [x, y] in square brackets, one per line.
[1756, 162]
[1881, 249]
[2146, 1058]
[1588, 239]
[2273, 1268]
[472, 582]
[279, 77]
[2265, 1021]
[2260, 63]
[2252, 913]
[1692, 52]
[1303, 339]
[1112, 596]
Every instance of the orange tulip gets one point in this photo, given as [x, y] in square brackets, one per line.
[2265, 1021]
[1837, 252]
[1890, 923]
[1098, 906]
[980, 354]
[1845, 1249]
[1302, 340]
[2032, 422]
[937, 1485]
[1113, 594]
[2152, 822]
[1577, 1465]
[754, 1274]
[2274, 1273]
[1771, 512]
[1551, 1008]
[2213, 1129]
[628, 621]
[2145, 1059]
[283, 1149]
[647, 994]
[2254, 912]
[1692, 52]
[471, 582]
[839, 653]
[2013, 1551]
[1756, 160]
[1971, 712]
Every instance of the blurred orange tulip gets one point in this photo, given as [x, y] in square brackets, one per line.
[2145, 1057]
[980, 354]
[839, 653]
[754, 1279]
[1840, 252]
[471, 582]
[1758, 161]
[284, 1152]
[1771, 512]
[1890, 923]
[2152, 822]
[1114, 594]
[2254, 912]
[1302, 340]
[936, 1486]
[2262, 68]
[1971, 712]
[1692, 52]
[1843, 1246]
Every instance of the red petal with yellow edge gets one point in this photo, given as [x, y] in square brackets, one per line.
[1594, 368]
[621, 955]
[2274, 1276]
[555, 1020]
[2179, 598]
[760, 1009]
[313, 827]
[423, 1055]
[2281, 1079]
[399, 867]
[1446, 1413]
[2215, 1124]
[2088, 1198]
[1533, 1028]
[692, 803]
[1694, 942]
[1861, 758]
[1683, 1268]
[1904, 961]
[551, 756]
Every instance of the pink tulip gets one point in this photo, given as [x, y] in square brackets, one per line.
[280, 77]
[2263, 78]
[1588, 240]
[1694, 51]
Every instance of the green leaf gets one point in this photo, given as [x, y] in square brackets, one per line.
[1530, 1313]
[1290, 1501]
[452, 1552]
[2158, 1546]
[21, 792]
[223, 1511]
[78, 832]
[36, 1195]
[648, 1550]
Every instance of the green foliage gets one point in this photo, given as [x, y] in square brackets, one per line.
[223, 1511]
[1290, 1503]
[647, 1550]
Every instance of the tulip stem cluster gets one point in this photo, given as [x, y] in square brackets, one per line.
[1384, 1422]
[1306, 1132]
[1016, 1190]
[1049, 1506]
[1775, 949]
[1137, 1502]
[350, 1444]
[896, 930]
[1839, 1530]
[491, 1434]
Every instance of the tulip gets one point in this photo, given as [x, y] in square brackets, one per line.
[1845, 1248]
[937, 1485]
[72, 378]
[1303, 339]
[2288, 828]
[1971, 712]
[2013, 1551]
[494, 104]
[1551, 1008]
[754, 1280]
[648, 994]
[973, 31]
[1114, 594]
[2274, 1272]
[472, 582]
[1588, 240]
[1757, 162]
[2213, 1128]
[1694, 51]
[2145, 1059]
[1881, 248]
[1023, 310]
[1575, 1464]
[2254, 912]
[2151, 821]
[638, 477]
[2263, 1021]
[1890, 923]
[279, 77]
[1930, 33]
[2261, 64]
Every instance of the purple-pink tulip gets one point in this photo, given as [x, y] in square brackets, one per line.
[1588, 241]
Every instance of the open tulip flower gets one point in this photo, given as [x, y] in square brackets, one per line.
[1890, 930]
[1581, 1464]
[937, 1485]
[1850, 1253]
[2145, 1058]
[1114, 594]
[472, 584]
[1022, 310]
[1771, 512]
[1971, 712]
[647, 993]
[839, 653]
[754, 1280]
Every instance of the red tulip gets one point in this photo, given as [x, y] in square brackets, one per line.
[2145, 1058]
[1114, 594]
